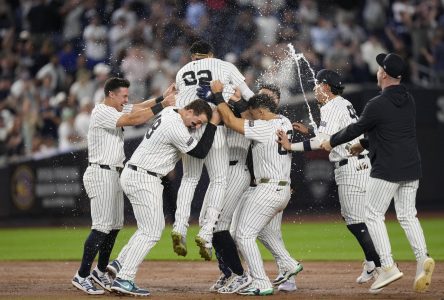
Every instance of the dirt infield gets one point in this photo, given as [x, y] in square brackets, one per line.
[190, 280]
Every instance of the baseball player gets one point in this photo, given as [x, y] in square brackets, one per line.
[351, 173]
[160, 150]
[239, 182]
[272, 192]
[389, 121]
[200, 72]
[101, 178]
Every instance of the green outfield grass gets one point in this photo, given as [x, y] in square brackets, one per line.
[307, 241]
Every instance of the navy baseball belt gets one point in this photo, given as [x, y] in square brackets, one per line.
[118, 169]
[345, 161]
[135, 168]
[233, 162]
[268, 180]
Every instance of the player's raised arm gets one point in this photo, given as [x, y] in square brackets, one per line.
[307, 145]
[164, 99]
[142, 115]
[230, 120]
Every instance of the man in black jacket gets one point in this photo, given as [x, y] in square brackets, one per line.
[389, 122]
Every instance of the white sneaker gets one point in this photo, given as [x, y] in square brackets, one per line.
[102, 278]
[236, 283]
[288, 286]
[221, 281]
[368, 272]
[85, 284]
[424, 270]
[385, 277]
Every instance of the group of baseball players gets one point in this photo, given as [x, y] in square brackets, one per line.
[210, 116]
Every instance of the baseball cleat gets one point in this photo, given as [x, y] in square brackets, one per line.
[102, 278]
[128, 287]
[235, 283]
[221, 281]
[205, 248]
[281, 278]
[385, 277]
[368, 272]
[113, 268]
[288, 286]
[252, 291]
[85, 284]
[424, 271]
[179, 243]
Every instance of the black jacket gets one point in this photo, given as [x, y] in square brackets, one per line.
[389, 121]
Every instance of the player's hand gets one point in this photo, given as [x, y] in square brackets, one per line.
[300, 127]
[169, 100]
[204, 93]
[216, 86]
[170, 90]
[355, 149]
[236, 96]
[216, 118]
[326, 146]
[283, 139]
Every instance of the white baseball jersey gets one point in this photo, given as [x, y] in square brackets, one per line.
[237, 146]
[336, 114]
[105, 140]
[270, 160]
[163, 144]
[105, 147]
[202, 72]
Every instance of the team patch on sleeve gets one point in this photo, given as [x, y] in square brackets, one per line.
[251, 123]
[323, 124]
[190, 141]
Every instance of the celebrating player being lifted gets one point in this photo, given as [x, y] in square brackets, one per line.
[200, 72]
[272, 172]
[157, 155]
[351, 173]
[101, 178]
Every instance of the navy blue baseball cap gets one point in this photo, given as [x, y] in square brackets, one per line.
[329, 77]
[392, 63]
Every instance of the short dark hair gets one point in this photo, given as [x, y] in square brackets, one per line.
[200, 106]
[272, 87]
[115, 83]
[201, 47]
[262, 101]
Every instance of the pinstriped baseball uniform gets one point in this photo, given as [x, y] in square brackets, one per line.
[238, 177]
[202, 72]
[272, 172]
[351, 178]
[105, 147]
[158, 153]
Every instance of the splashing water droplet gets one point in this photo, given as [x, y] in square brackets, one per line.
[297, 57]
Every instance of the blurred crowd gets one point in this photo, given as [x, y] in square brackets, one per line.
[56, 55]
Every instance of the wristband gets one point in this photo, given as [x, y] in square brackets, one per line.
[307, 146]
[159, 99]
[157, 108]
[218, 98]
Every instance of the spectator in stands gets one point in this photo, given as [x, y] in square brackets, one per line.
[95, 36]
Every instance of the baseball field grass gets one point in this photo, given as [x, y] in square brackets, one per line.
[316, 241]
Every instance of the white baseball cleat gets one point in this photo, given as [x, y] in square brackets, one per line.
[288, 286]
[368, 272]
[385, 277]
[424, 271]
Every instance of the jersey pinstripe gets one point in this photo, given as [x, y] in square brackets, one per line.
[237, 146]
[269, 159]
[105, 140]
[163, 143]
[202, 72]
[336, 114]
